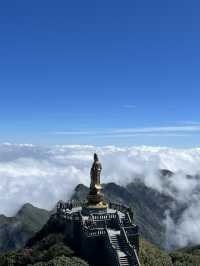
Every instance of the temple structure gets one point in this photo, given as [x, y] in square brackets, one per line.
[103, 233]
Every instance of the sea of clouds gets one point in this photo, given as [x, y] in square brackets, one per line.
[44, 175]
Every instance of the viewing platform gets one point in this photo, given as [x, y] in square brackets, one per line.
[102, 233]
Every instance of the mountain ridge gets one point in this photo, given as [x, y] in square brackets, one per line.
[42, 235]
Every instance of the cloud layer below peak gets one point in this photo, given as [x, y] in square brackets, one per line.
[44, 175]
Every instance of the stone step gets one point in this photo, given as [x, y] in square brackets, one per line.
[120, 246]
[123, 261]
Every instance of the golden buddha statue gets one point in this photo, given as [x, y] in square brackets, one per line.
[95, 173]
[95, 197]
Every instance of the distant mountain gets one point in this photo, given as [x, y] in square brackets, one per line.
[49, 248]
[149, 208]
[148, 205]
[15, 231]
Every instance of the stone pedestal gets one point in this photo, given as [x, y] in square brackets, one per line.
[94, 198]
[92, 209]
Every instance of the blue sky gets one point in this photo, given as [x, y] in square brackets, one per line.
[100, 72]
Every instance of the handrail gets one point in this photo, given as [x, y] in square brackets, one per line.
[136, 255]
[131, 231]
[108, 216]
[121, 208]
[131, 249]
[81, 218]
[123, 233]
[69, 205]
[96, 232]
[128, 216]
[112, 247]
[118, 220]
[118, 207]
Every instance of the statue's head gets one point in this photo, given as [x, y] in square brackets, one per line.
[96, 157]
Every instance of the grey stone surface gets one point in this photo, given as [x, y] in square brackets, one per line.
[102, 237]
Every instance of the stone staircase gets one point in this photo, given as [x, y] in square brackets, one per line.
[114, 239]
[126, 221]
[120, 246]
[124, 261]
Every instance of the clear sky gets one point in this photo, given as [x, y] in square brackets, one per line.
[100, 72]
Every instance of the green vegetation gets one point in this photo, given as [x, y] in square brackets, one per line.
[47, 246]
[51, 250]
[15, 231]
[150, 255]
[148, 206]
[32, 218]
[186, 257]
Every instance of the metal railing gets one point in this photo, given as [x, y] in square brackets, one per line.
[95, 232]
[129, 249]
[132, 231]
[112, 249]
[121, 208]
[108, 216]
[69, 205]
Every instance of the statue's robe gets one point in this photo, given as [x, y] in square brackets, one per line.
[95, 174]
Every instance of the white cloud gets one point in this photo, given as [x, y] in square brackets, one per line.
[186, 129]
[44, 175]
[185, 231]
